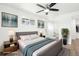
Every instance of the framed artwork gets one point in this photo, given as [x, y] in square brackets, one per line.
[25, 21]
[32, 22]
[9, 20]
[40, 24]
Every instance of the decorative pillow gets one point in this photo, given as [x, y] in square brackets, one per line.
[25, 37]
[34, 36]
[51, 37]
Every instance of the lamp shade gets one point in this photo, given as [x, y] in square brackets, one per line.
[47, 10]
[11, 32]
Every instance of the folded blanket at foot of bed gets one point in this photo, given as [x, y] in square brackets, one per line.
[28, 50]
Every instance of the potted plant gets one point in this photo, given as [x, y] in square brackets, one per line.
[65, 34]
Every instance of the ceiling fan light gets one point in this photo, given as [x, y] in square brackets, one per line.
[46, 10]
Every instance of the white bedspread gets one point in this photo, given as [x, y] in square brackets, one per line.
[24, 43]
[43, 48]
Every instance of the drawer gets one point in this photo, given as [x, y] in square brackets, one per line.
[10, 49]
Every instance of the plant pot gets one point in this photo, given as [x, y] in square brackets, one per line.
[65, 41]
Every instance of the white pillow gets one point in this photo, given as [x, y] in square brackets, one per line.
[25, 37]
[34, 36]
[51, 37]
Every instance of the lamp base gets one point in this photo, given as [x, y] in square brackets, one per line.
[11, 40]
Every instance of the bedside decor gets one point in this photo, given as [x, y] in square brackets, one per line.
[11, 38]
[9, 20]
[65, 34]
[41, 34]
[11, 35]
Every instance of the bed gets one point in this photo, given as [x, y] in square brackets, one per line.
[44, 48]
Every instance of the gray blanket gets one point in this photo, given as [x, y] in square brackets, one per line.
[28, 50]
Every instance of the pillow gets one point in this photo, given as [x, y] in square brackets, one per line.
[25, 37]
[51, 37]
[34, 36]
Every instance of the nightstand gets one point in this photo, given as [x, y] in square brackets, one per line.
[10, 46]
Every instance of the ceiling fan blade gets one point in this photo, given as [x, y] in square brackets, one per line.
[52, 4]
[54, 9]
[46, 13]
[40, 11]
[41, 6]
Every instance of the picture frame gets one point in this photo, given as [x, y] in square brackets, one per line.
[9, 20]
[25, 21]
[40, 24]
[32, 22]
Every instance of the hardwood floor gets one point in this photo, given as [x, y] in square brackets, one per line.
[65, 51]
[75, 47]
[71, 50]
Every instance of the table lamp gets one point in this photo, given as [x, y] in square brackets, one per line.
[11, 35]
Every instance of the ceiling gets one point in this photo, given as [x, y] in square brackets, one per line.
[32, 7]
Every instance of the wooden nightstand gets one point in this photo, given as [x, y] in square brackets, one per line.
[10, 46]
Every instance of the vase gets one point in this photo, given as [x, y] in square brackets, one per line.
[65, 41]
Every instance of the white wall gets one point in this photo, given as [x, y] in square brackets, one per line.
[67, 21]
[50, 28]
[21, 14]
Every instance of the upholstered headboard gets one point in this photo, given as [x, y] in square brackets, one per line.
[18, 34]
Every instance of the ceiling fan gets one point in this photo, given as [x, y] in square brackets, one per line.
[47, 8]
